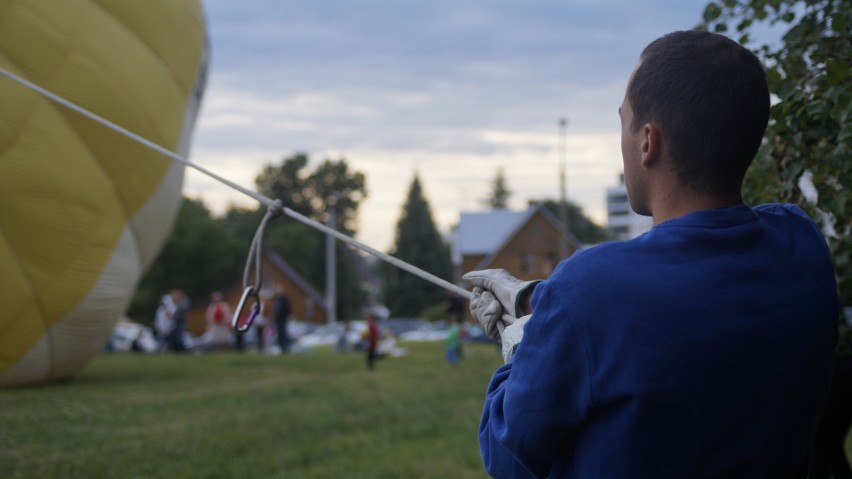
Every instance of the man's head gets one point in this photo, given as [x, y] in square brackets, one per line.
[707, 99]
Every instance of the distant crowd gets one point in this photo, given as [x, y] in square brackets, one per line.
[268, 332]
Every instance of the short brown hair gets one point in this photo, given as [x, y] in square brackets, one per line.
[709, 96]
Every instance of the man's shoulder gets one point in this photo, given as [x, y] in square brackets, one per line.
[597, 262]
[786, 214]
[605, 252]
[781, 209]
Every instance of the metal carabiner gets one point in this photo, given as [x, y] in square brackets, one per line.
[249, 292]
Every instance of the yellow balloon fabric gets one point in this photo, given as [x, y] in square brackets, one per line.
[84, 210]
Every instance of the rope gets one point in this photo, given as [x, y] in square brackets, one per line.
[256, 249]
[274, 207]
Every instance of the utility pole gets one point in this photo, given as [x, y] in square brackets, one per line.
[563, 187]
[331, 263]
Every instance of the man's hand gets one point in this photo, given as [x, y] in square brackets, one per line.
[498, 325]
[512, 336]
[489, 313]
[511, 292]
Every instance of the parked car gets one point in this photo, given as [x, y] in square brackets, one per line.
[475, 334]
[399, 326]
[427, 331]
[130, 336]
[330, 333]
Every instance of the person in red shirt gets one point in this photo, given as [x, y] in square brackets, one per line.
[373, 337]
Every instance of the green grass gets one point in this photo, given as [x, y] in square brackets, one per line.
[229, 415]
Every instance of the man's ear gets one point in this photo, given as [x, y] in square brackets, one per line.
[652, 142]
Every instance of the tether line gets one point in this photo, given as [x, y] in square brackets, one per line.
[270, 203]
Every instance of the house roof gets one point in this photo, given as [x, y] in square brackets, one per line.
[483, 233]
[489, 232]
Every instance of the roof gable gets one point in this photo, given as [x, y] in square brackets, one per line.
[296, 278]
[483, 233]
[487, 234]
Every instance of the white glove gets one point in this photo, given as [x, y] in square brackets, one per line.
[512, 336]
[489, 313]
[498, 325]
[508, 289]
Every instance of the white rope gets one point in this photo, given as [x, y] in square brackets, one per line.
[257, 196]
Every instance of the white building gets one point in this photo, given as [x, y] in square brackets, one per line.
[622, 222]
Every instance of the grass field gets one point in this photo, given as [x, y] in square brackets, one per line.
[246, 415]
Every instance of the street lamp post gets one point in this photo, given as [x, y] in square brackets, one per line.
[563, 187]
[331, 264]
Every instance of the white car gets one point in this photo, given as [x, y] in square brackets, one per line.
[125, 334]
[426, 332]
[329, 334]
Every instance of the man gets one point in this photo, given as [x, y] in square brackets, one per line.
[281, 308]
[179, 317]
[218, 317]
[373, 336]
[699, 349]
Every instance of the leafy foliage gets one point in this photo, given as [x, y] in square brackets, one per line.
[204, 254]
[198, 257]
[419, 243]
[312, 193]
[579, 225]
[811, 119]
[301, 245]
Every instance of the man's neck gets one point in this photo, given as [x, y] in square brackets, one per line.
[677, 203]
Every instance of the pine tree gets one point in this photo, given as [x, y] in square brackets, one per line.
[419, 243]
[500, 192]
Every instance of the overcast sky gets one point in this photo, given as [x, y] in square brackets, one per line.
[451, 90]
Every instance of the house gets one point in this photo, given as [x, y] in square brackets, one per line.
[528, 244]
[305, 302]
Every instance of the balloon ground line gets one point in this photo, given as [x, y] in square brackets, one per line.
[270, 203]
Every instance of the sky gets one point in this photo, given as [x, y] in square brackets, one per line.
[449, 90]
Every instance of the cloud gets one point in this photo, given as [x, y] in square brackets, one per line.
[448, 90]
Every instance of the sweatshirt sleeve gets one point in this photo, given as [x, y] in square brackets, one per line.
[535, 403]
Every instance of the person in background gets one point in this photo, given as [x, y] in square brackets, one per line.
[455, 307]
[281, 314]
[455, 314]
[373, 337]
[218, 318]
[452, 344]
[343, 345]
[163, 322]
[182, 305]
[702, 348]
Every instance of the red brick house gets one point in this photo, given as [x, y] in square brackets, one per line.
[528, 244]
[306, 303]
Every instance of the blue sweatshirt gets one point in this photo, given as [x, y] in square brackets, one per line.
[700, 349]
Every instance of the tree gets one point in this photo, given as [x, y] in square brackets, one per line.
[810, 125]
[198, 257]
[579, 225]
[419, 243]
[286, 182]
[313, 193]
[500, 192]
